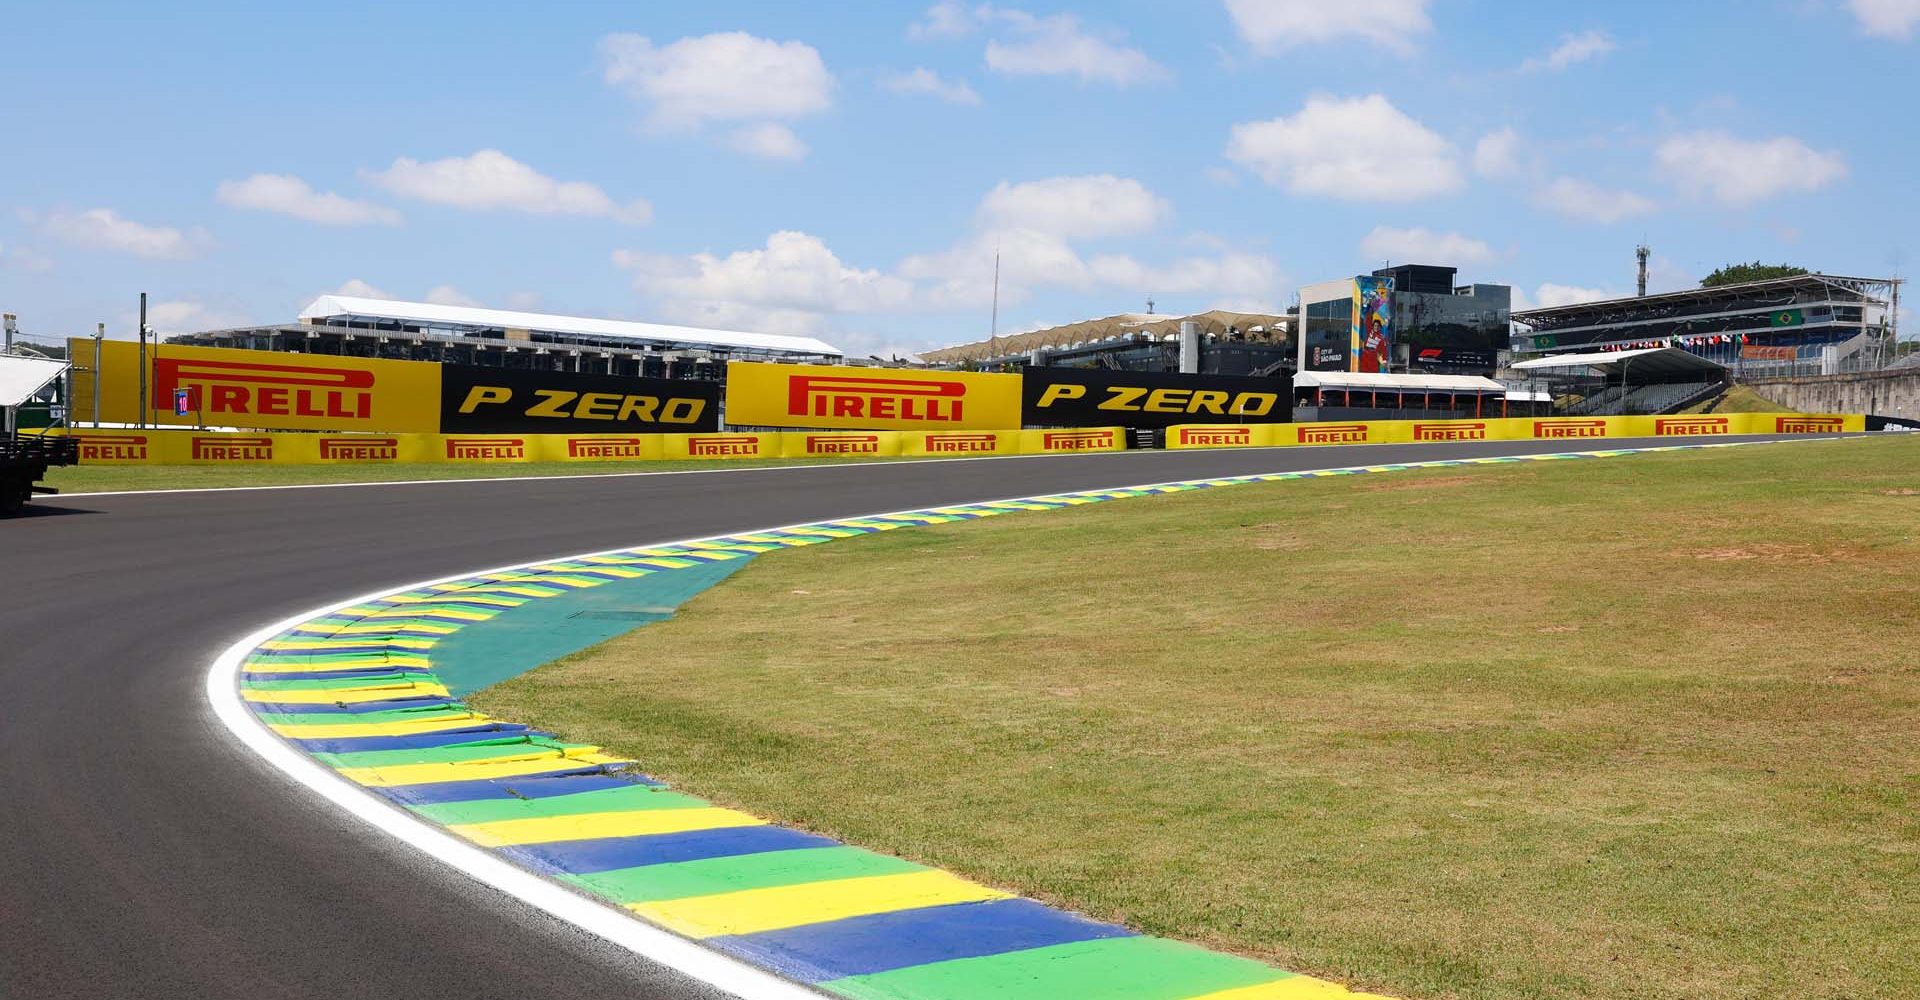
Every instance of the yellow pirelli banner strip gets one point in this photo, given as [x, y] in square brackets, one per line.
[840, 444]
[1221, 435]
[1570, 429]
[959, 444]
[839, 396]
[599, 447]
[1077, 439]
[721, 445]
[269, 390]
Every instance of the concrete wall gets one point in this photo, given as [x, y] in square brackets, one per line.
[1885, 394]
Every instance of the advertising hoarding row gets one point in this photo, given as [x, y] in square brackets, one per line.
[1572, 430]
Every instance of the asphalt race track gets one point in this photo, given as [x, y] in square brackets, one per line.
[143, 853]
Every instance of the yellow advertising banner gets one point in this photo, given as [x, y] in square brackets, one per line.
[1336, 432]
[770, 395]
[599, 447]
[1078, 439]
[235, 388]
[721, 445]
[840, 444]
[1222, 435]
[484, 448]
[959, 444]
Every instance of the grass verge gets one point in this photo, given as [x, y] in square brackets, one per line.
[1638, 727]
[114, 478]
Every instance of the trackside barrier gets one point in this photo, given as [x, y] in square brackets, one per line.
[177, 447]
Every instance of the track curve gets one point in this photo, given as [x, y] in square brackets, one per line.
[146, 854]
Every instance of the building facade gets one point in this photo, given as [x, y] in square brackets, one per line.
[1411, 318]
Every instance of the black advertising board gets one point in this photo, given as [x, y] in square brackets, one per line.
[1096, 397]
[477, 400]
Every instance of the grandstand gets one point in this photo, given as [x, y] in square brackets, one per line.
[425, 331]
[1647, 380]
[1811, 324]
[1231, 343]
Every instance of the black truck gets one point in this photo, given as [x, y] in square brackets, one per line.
[24, 461]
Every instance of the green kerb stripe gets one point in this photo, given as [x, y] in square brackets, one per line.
[578, 804]
[684, 879]
[1128, 968]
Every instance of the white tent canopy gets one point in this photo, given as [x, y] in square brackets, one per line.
[431, 314]
[21, 377]
[1386, 382]
[1652, 364]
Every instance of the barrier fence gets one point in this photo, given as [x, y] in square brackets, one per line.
[176, 447]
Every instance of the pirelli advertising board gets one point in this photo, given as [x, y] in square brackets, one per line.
[280, 391]
[476, 400]
[1086, 397]
[833, 396]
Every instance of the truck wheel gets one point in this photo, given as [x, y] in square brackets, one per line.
[14, 491]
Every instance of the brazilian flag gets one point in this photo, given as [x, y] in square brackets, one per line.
[1789, 317]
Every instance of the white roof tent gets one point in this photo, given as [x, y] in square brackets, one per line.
[383, 315]
[1386, 382]
[1648, 365]
[21, 377]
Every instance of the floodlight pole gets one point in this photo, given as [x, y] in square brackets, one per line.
[143, 359]
[9, 321]
[99, 335]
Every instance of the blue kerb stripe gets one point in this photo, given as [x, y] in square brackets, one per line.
[584, 857]
[861, 945]
[494, 788]
[426, 741]
[358, 708]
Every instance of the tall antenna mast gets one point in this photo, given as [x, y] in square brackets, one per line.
[993, 333]
[1643, 252]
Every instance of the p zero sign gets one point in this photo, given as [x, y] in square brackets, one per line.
[257, 389]
[475, 400]
[1085, 397]
[769, 395]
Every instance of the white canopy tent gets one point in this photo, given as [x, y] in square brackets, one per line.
[21, 377]
[1649, 364]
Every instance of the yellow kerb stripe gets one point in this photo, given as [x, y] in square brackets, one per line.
[595, 826]
[753, 910]
[1291, 988]
[353, 730]
[346, 696]
[508, 767]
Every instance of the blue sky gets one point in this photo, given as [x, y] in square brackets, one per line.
[848, 170]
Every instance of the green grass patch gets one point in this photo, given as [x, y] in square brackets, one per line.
[1739, 399]
[112, 478]
[1635, 727]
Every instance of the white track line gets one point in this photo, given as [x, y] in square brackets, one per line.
[591, 915]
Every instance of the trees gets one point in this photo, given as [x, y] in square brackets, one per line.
[1735, 274]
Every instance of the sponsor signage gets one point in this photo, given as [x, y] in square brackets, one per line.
[1690, 426]
[1550, 429]
[1809, 425]
[1079, 440]
[842, 444]
[1331, 434]
[359, 449]
[1475, 430]
[476, 400]
[114, 448]
[770, 395]
[261, 389]
[231, 448]
[1085, 397]
[1215, 437]
[607, 448]
[962, 444]
[1371, 335]
[724, 445]
[486, 449]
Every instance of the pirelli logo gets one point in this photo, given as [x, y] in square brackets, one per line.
[1215, 437]
[843, 444]
[1331, 434]
[949, 444]
[360, 449]
[242, 388]
[606, 447]
[724, 445]
[872, 397]
[1691, 426]
[1809, 425]
[486, 448]
[113, 448]
[232, 449]
[1476, 431]
[1077, 440]
[1569, 429]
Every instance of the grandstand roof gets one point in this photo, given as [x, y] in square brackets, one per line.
[1651, 363]
[431, 314]
[1122, 325]
[1560, 315]
[1388, 382]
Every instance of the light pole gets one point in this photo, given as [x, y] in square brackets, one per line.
[11, 323]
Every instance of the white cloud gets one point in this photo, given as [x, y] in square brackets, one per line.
[768, 140]
[447, 295]
[1572, 50]
[730, 76]
[1229, 273]
[1739, 171]
[1498, 154]
[790, 284]
[926, 81]
[1268, 26]
[1423, 246]
[1887, 18]
[1074, 207]
[1550, 295]
[24, 259]
[1357, 149]
[105, 229]
[355, 288]
[1589, 202]
[962, 276]
[528, 301]
[1057, 45]
[285, 194]
[946, 19]
[491, 180]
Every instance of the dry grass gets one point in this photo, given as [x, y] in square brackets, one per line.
[1644, 727]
